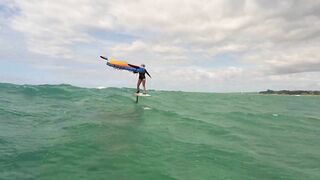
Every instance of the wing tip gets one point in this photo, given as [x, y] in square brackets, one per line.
[103, 57]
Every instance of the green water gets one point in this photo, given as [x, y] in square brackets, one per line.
[66, 132]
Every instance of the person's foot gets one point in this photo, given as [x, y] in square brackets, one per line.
[137, 91]
[144, 92]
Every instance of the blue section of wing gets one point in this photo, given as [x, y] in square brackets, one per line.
[132, 69]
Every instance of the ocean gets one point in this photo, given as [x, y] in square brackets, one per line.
[67, 132]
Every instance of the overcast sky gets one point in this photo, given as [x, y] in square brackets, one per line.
[203, 45]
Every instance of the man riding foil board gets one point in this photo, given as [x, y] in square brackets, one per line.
[122, 65]
[142, 79]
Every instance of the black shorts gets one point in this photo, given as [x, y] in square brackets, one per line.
[142, 76]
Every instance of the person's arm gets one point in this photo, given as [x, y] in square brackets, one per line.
[148, 74]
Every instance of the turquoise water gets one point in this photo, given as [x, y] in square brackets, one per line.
[66, 132]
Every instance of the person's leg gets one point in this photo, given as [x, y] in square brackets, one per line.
[144, 86]
[138, 85]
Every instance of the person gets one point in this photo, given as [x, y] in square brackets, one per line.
[142, 79]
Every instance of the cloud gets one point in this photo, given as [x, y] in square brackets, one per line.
[265, 38]
[297, 58]
[231, 79]
[51, 28]
[158, 53]
[203, 24]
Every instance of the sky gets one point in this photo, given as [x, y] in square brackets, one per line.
[203, 45]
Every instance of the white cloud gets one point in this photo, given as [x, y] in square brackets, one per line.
[267, 38]
[158, 53]
[52, 28]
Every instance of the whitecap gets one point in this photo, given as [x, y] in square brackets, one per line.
[100, 87]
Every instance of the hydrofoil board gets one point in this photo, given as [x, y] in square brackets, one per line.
[141, 94]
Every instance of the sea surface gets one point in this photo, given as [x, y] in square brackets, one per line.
[67, 132]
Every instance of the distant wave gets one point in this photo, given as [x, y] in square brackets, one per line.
[101, 87]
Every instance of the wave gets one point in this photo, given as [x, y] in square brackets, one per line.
[74, 129]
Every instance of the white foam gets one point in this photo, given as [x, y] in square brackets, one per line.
[100, 87]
